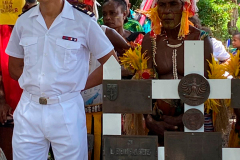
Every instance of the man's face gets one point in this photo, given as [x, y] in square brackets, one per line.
[113, 15]
[236, 41]
[170, 12]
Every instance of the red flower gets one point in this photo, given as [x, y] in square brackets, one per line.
[145, 75]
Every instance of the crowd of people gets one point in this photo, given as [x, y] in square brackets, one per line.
[56, 50]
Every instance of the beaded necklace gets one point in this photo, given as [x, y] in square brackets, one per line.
[174, 55]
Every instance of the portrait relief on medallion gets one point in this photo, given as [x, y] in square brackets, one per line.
[193, 119]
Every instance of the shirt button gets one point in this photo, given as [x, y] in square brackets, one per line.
[45, 54]
[43, 74]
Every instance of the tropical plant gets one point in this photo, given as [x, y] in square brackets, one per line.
[216, 14]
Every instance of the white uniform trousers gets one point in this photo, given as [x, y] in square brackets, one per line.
[63, 124]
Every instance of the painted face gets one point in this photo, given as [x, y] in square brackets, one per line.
[113, 15]
[170, 12]
[236, 41]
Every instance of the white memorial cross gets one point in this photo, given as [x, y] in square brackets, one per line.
[168, 89]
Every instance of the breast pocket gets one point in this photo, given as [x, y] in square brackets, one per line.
[30, 50]
[66, 53]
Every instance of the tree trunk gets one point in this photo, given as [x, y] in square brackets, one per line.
[232, 28]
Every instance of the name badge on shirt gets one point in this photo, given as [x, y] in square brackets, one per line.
[69, 38]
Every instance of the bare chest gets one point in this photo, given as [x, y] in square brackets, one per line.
[169, 59]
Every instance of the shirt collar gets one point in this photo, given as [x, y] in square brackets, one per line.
[67, 11]
[35, 11]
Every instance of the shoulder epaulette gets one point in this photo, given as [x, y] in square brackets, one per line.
[27, 10]
[91, 14]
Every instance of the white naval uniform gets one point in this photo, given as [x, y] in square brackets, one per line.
[219, 51]
[56, 69]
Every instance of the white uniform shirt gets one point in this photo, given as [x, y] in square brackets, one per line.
[52, 65]
[219, 51]
[93, 95]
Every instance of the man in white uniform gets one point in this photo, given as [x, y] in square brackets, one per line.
[49, 55]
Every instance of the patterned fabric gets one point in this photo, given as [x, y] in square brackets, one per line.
[133, 25]
[234, 51]
[208, 123]
[203, 35]
[147, 25]
[133, 36]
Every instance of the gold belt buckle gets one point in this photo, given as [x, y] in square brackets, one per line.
[43, 100]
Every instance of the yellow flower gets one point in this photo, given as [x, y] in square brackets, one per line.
[217, 70]
[134, 60]
[233, 65]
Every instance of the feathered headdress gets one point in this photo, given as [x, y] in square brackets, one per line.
[189, 9]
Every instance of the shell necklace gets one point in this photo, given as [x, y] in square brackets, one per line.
[174, 57]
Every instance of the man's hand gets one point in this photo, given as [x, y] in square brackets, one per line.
[237, 128]
[177, 121]
[159, 127]
[96, 77]
[15, 67]
[5, 110]
[237, 125]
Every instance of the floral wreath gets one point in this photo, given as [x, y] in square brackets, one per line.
[189, 9]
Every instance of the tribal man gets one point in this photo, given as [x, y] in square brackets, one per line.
[165, 47]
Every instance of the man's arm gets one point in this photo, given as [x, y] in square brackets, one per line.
[15, 67]
[208, 50]
[119, 43]
[147, 46]
[237, 125]
[96, 77]
[5, 109]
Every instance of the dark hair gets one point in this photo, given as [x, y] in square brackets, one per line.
[196, 21]
[237, 34]
[208, 30]
[31, 1]
[121, 3]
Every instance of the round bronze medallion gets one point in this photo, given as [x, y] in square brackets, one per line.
[193, 119]
[193, 89]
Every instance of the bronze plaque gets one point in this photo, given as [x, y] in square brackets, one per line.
[193, 146]
[193, 89]
[193, 119]
[127, 96]
[235, 93]
[130, 148]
